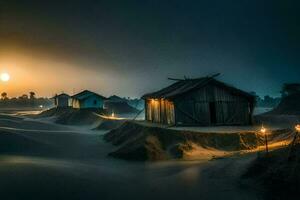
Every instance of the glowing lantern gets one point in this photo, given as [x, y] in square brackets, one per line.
[112, 114]
[263, 130]
[297, 127]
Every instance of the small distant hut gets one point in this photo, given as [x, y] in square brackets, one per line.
[88, 99]
[119, 105]
[202, 101]
[62, 100]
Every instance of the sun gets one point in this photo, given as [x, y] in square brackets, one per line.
[4, 77]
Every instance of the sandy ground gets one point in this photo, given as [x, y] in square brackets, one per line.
[220, 129]
[217, 129]
[41, 160]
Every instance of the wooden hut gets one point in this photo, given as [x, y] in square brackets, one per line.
[88, 99]
[62, 100]
[202, 101]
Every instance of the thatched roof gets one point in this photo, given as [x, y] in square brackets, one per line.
[183, 86]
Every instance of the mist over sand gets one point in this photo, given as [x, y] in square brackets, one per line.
[41, 160]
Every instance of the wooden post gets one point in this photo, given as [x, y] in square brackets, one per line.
[264, 131]
[292, 146]
[146, 109]
[266, 141]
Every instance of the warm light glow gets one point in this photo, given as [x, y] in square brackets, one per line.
[263, 130]
[154, 101]
[297, 127]
[4, 77]
[50, 78]
[110, 117]
[112, 114]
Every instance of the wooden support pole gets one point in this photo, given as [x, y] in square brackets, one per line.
[266, 141]
[292, 146]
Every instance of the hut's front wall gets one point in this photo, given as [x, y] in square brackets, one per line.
[62, 102]
[90, 102]
[212, 105]
[160, 111]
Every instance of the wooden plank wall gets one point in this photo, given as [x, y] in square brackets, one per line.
[230, 109]
[160, 111]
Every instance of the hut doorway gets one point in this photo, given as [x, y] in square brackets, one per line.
[213, 113]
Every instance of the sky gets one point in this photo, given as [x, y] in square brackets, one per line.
[131, 47]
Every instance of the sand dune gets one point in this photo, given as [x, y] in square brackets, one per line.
[277, 174]
[40, 160]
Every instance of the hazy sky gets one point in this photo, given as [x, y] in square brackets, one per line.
[131, 47]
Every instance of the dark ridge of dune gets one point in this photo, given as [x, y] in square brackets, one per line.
[80, 117]
[14, 143]
[275, 174]
[20, 123]
[277, 120]
[120, 107]
[109, 124]
[71, 116]
[289, 105]
[287, 113]
[141, 142]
